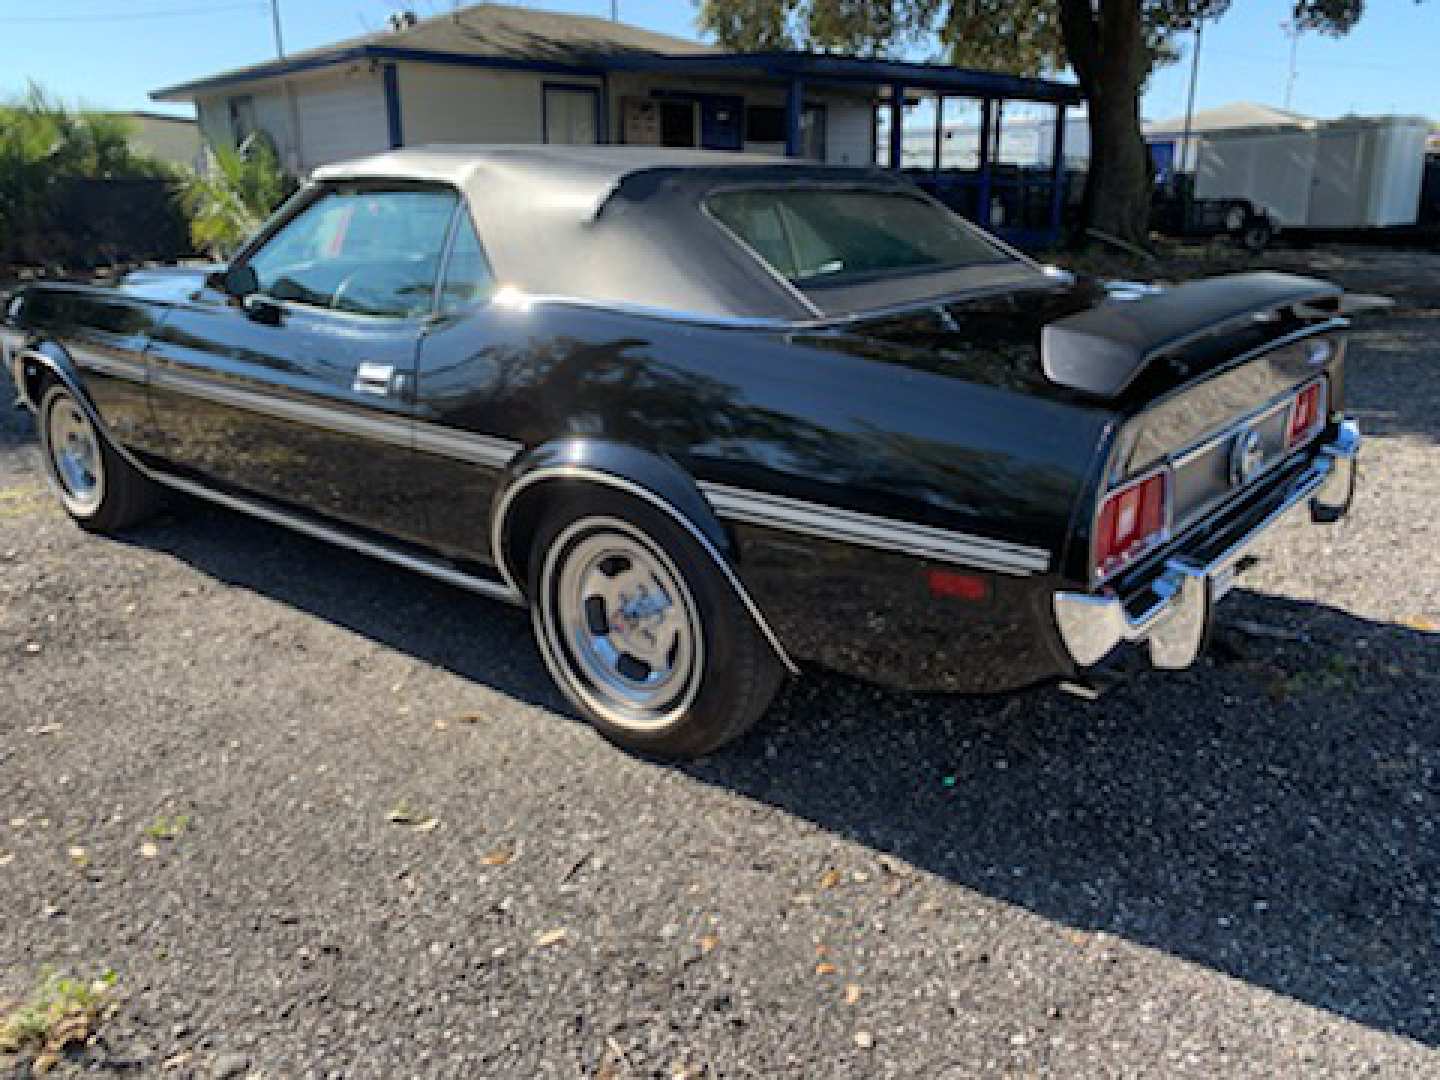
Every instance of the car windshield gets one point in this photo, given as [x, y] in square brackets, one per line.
[818, 236]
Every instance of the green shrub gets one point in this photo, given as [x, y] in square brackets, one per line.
[229, 202]
[43, 144]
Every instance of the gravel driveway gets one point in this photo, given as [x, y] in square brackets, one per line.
[322, 817]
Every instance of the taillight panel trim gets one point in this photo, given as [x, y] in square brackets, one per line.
[1173, 464]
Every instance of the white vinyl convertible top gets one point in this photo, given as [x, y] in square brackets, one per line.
[626, 225]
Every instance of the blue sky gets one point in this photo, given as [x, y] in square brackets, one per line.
[109, 53]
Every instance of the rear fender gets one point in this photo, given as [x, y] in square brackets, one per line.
[637, 473]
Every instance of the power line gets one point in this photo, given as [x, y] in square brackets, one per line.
[169, 13]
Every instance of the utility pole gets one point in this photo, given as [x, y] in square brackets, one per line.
[614, 10]
[1179, 163]
[1292, 29]
[275, 21]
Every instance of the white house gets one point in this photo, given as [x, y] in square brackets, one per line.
[497, 74]
[490, 73]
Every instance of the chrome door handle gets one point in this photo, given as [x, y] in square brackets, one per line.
[374, 379]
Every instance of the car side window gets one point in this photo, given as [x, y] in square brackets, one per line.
[468, 276]
[360, 250]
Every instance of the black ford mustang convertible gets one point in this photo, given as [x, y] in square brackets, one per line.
[709, 416]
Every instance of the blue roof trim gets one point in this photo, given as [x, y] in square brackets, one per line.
[281, 68]
[831, 68]
[504, 63]
[779, 65]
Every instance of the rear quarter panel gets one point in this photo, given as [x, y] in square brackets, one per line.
[818, 418]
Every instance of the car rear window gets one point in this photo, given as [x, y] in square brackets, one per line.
[820, 236]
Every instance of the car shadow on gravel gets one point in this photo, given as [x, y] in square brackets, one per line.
[1269, 814]
[443, 625]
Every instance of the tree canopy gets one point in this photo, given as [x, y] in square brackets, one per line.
[1112, 46]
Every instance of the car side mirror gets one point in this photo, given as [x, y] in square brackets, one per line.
[240, 281]
[262, 309]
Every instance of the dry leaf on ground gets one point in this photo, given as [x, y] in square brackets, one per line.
[551, 937]
[498, 857]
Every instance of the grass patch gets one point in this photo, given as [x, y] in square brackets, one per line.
[1335, 674]
[59, 1012]
[17, 502]
[168, 827]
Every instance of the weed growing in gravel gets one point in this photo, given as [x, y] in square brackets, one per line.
[1336, 674]
[61, 1012]
[168, 828]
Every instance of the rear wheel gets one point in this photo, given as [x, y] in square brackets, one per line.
[643, 633]
[99, 489]
[1257, 235]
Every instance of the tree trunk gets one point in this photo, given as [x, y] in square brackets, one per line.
[1108, 51]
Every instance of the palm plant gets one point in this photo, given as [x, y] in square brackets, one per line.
[230, 201]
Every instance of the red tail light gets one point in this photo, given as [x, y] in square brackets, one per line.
[1132, 520]
[1307, 412]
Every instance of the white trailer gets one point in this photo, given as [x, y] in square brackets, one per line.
[1351, 173]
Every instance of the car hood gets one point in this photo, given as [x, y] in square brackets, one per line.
[170, 284]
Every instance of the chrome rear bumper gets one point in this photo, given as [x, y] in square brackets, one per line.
[1175, 620]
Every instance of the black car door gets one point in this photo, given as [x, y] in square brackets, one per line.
[300, 392]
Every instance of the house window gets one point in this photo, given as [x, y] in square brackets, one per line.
[572, 115]
[765, 124]
[242, 118]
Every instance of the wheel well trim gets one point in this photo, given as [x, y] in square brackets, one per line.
[63, 369]
[584, 474]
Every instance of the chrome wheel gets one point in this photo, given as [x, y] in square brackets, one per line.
[620, 624]
[73, 455]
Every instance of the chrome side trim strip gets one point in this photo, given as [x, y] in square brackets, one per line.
[380, 428]
[488, 450]
[394, 429]
[884, 534]
[340, 538]
[441, 572]
[86, 360]
[576, 472]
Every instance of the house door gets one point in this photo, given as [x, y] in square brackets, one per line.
[571, 115]
[720, 123]
[677, 122]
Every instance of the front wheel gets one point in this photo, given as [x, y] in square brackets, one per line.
[641, 630]
[98, 488]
